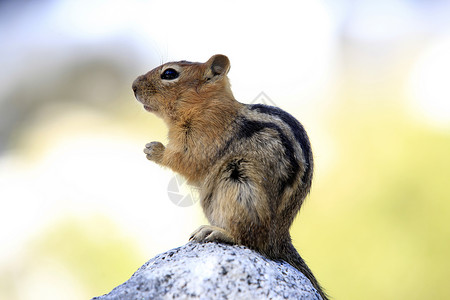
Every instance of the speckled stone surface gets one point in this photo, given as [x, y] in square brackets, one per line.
[214, 271]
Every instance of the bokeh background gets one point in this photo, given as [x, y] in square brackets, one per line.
[81, 207]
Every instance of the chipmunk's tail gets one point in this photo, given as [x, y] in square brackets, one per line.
[292, 257]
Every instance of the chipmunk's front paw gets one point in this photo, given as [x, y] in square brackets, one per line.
[208, 233]
[154, 151]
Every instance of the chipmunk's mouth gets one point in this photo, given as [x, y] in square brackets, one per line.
[149, 108]
[146, 107]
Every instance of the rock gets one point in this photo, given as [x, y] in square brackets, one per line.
[214, 271]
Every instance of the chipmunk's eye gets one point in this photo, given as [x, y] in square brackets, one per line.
[170, 74]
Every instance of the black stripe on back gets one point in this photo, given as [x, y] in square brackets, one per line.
[250, 128]
[296, 128]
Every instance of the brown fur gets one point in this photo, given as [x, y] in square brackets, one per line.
[252, 164]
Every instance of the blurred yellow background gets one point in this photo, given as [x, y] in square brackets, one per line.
[82, 208]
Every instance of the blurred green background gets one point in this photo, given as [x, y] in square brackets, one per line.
[82, 208]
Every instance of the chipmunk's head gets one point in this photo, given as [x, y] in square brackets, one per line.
[179, 87]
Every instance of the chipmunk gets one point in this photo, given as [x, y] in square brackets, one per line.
[253, 164]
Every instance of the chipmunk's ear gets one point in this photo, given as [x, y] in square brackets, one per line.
[217, 67]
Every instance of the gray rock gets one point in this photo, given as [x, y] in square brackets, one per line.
[214, 271]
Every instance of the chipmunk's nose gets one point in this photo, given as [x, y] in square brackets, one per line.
[136, 83]
[134, 86]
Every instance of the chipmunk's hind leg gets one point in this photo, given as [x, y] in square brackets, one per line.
[208, 233]
[236, 205]
[235, 171]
